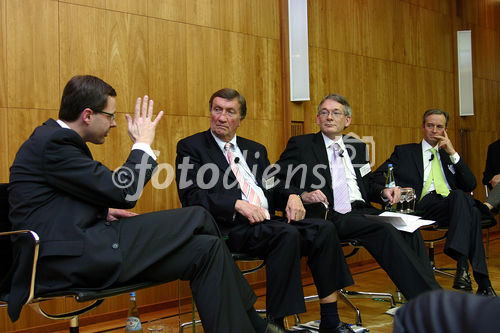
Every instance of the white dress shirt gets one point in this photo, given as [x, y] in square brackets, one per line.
[354, 192]
[426, 153]
[244, 169]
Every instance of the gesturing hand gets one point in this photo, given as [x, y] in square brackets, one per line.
[142, 127]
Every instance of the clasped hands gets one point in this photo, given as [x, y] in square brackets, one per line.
[295, 210]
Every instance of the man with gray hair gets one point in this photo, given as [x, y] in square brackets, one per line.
[441, 180]
[334, 169]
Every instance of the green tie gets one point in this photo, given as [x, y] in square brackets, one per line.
[436, 175]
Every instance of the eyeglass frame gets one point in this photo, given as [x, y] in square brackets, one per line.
[112, 116]
[333, 113]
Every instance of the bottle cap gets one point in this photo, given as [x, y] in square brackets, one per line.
[132, 294]
[389, 165]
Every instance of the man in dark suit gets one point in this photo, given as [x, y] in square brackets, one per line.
[441, 180]
[59, 191]
[229, 176]
[491, 176]
[448, 311]
[334, 169]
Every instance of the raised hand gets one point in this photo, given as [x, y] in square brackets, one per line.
[142, 128]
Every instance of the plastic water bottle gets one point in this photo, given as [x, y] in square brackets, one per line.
[389, 183]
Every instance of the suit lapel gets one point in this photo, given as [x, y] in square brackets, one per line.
[319, 150]
[215, 153]
[418, 159]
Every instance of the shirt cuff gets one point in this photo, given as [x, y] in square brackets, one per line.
[145, 148]
[455, 158]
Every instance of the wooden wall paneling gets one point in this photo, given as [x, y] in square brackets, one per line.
[32, 59]
[88, 3]
[110, 45]
[167, 65]
[380, 24]
[347, 26]
[205, 68]
[273, 140]
[83, 45]
[348, 77]
[203, 12]
[171, 130]
[238, 52]
[265, 18]
[272, 92]
[318, 24]
[319, 77]
[485, 53]
[4, 148]
[486, 105]
[434, 40]
[128, 6]
[378, 106]
[404, 95]
[405, 33]
[127, 58]
[236, 16]
[3, 53]
[435, 90]
[172, 10]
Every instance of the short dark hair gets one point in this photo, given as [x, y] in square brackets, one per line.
[340, 99]
[436, 111]
[230, 94]
[81, 92]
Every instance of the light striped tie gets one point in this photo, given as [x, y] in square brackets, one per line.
[341, 201]
[247, 190]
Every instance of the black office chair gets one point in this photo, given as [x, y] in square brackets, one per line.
[30, 242]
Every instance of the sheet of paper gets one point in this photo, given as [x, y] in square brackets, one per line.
[400, 221]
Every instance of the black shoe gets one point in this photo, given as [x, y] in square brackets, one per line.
[462, 280]
[341, 328]
[273, 328]
[486, 292]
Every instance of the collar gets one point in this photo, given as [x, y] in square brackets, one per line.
[222, 144]
[426, 146]
[329, 142]
[62, 124]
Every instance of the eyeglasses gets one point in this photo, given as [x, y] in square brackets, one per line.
[334, 113]
[112, 116]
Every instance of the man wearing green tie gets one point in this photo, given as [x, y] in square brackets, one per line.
[441, 180]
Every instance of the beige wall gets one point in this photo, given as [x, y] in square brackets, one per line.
[392, 59]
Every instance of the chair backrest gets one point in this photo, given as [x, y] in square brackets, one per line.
[5, 243]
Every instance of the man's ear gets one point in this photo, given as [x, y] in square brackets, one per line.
[86, 116]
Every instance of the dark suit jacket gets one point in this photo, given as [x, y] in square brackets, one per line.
[492, 162]
[59, 191]
[408, 164]
[309, 150]
[201, 150]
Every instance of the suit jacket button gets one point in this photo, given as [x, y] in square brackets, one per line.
[107, 223]
[115, 246]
